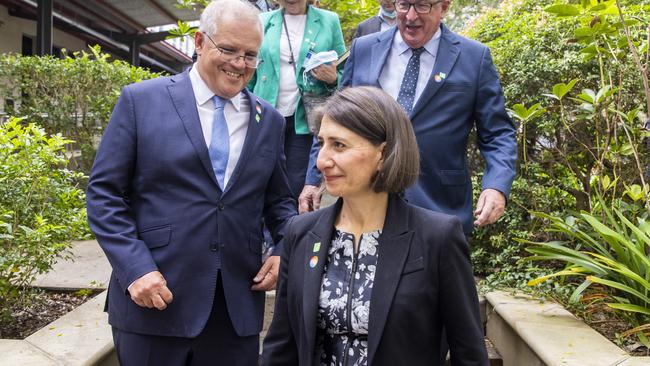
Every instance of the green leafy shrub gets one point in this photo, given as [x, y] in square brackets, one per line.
[73, 96]
[576, 95]
[41, 206]
[608, 247]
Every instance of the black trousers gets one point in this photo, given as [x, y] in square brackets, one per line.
[218, 344]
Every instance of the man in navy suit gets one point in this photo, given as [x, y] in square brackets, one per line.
[187, 168]
[448, 85]
[380, 22]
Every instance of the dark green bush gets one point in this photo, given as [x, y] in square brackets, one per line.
[41, 205]
[566, 139]
[73, 96]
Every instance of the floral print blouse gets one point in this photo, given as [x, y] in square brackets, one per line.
[344, 302]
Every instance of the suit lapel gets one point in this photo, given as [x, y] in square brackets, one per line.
[272, 34]
[182, 95]
[321, 233]
[448, 51]
[380, 53]
[394, 246]
[251, 137]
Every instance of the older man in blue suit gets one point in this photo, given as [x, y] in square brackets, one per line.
[447, 84]
[187, 168]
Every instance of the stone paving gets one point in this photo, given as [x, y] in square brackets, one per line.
[88, 268]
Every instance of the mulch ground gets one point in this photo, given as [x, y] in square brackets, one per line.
[42, 308]
[605, 322]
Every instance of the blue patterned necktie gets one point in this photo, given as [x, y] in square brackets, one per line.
[406, 96]
[220, 141]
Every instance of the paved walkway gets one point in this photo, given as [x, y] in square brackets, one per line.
[88, 268]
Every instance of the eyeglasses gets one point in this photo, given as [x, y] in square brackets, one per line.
[232, 56]
[421, 8]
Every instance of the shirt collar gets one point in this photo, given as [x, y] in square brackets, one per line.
[202, 92]
[430, 46]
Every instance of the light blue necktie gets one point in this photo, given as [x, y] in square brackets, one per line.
[406, 95]
[220, 141]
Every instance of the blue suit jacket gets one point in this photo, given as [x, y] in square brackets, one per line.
[467, 93]
[154, 204]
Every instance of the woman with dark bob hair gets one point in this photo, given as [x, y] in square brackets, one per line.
[372, 280]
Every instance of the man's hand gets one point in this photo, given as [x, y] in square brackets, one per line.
[150, 291]
[267, 277]
[490, 207]
[325, 73]
[309, 199]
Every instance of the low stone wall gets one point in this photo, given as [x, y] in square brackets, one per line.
[81, 337]
[531, 333]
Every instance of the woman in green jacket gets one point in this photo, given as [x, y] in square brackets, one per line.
[292, 34]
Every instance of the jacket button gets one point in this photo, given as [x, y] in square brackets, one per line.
[221, 206]
[214, 247]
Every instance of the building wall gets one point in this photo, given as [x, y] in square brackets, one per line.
[12, 30]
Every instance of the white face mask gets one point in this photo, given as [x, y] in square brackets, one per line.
[387, 14]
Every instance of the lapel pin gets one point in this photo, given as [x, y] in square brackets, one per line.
[439, 77]
[313, 261]
[258, 109]
[316, 247]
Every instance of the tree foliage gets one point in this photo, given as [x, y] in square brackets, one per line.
[73, 96]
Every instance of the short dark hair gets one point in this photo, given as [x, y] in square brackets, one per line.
[374, 115]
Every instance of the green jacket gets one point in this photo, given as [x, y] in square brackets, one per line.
[322, 33]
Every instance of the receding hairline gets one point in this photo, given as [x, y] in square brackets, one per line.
[222, 11]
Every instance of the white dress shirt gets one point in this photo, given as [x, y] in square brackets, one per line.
[384, 25]
[390, 78]
[237, 113]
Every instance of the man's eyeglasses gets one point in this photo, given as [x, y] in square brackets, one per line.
[403, 6]
[232, 56]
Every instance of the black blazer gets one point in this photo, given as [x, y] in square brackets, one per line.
[423, 283]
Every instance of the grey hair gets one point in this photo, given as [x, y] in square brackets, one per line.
[220, 10]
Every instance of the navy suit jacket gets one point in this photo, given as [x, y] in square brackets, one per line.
[368, 26]
[423, 283]
[154, 204]
[463, 92]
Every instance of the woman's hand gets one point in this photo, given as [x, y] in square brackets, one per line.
[325, 73]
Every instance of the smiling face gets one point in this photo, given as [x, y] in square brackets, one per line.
[417, 29]
[348, 161]
[226, 79]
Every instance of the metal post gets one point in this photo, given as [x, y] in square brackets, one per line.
[44, 28]
[134, 52]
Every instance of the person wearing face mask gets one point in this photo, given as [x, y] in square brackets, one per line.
[383, 21]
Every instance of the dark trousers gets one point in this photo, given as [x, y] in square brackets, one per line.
[218, 344]
[296, 149]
